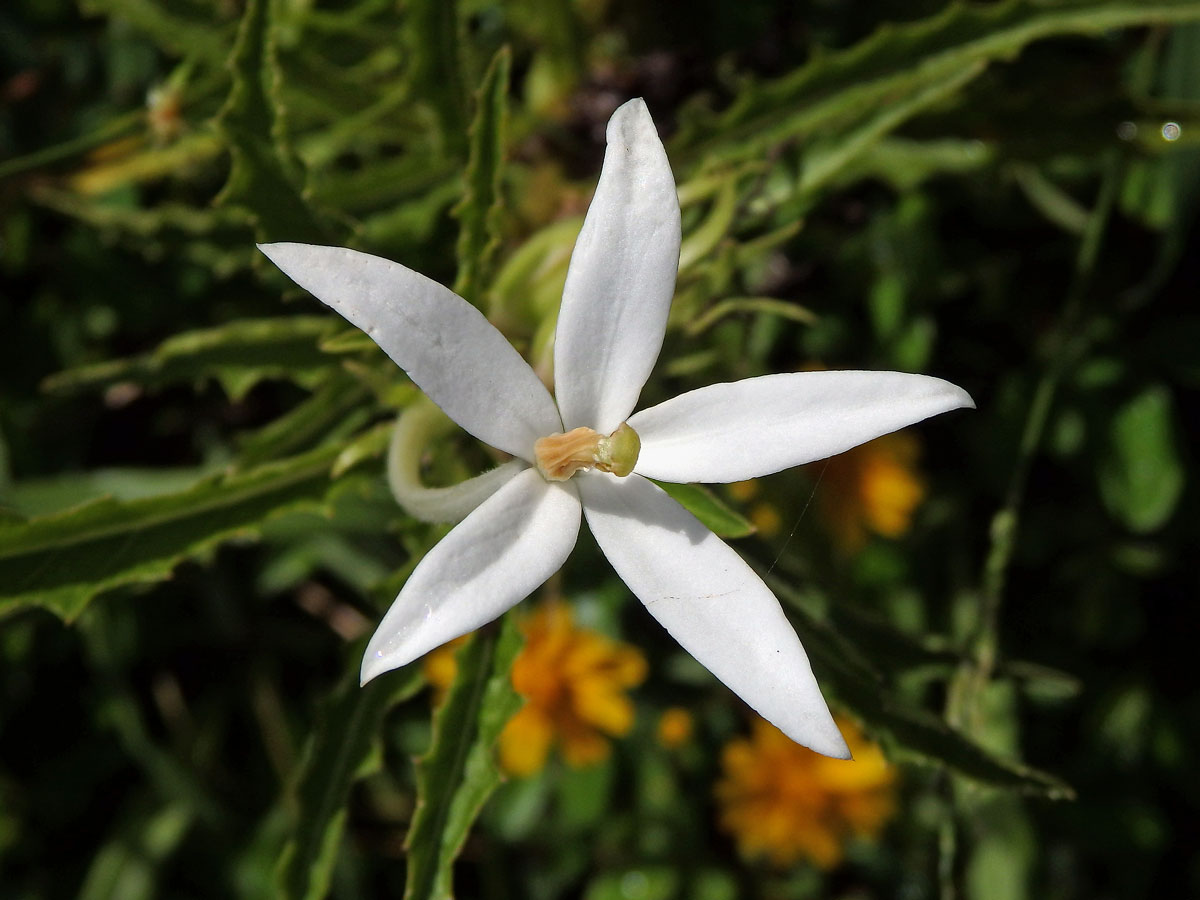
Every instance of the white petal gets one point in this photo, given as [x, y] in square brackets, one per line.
[710, 601]
[621, 279]
[446, 346]
[744, 429]
[493, 559]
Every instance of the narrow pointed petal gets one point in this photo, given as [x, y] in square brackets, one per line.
[710, 601]
[493, 559]
[621, 279]
[446, 346]
[744, 429]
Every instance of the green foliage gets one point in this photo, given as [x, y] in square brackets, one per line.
[61, 561]
[458, 773]
[479, 211]
[238, 355]
[709, 509]
[344, 749]
[842, 103]
[1141, 475]
[985, 191]
[434, 36]
[264, 174]
[908, 729]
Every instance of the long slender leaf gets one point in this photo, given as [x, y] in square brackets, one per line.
[265, 178]
[458, 773]
[479, 210]
[434, 39]
[836, 92]
[906, 728]
[180, 35]
[238, 354]
[39, 496]
[62, 561]
[341, 750]
[329, 411]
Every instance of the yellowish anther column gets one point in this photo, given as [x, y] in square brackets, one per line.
[559, 456]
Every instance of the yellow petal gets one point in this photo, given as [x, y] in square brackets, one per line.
[599, 702]
[583, 747]
[525, 742]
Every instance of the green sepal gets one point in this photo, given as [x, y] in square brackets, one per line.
[722, 519]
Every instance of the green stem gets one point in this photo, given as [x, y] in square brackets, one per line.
[1066, 346]
[111, 130]
[1064, 349]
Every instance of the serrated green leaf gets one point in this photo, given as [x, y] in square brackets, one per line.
[827, 157]
[479, 211]
[706, 506]
[877, 639]
[458, 773]
[901, 726]
[238, 355]
[340, 751]
[906, 163]
[881, 79]
[1141, 475]
[264, 178]
[412, 220]
[433, 37]
[386, 183]
[328, 412]
[61, 562]
[214, 239]
[39, 496]
[184, 36]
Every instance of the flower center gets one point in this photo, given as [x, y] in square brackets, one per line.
[559, 456]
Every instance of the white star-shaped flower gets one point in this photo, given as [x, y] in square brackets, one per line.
[578, 452]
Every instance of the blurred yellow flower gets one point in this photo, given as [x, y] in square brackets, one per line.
[439, 667]
[874, 487]
[675, 727]
[574, 681]
[763, 515]
[744, 490]
[784, 802]
[766, 519]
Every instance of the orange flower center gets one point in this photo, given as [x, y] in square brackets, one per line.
[559, 456]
